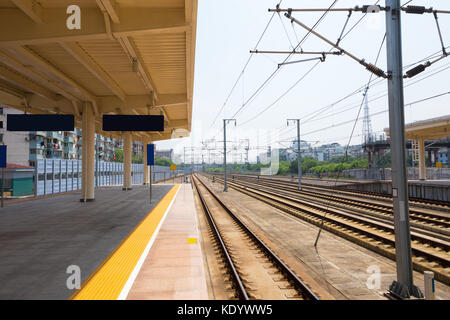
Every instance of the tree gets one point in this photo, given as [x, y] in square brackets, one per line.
[283, 167]
[138, 158]
[385, 160]
[162, 161]
[119, 155]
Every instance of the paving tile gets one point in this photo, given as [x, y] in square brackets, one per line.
[173, 269]
[41, 238]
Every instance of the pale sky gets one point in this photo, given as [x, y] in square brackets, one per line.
[227, 30]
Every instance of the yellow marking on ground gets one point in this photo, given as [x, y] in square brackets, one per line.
[192, 240]
[107, 282]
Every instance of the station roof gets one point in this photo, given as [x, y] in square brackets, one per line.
[129, 57]
[434, 128]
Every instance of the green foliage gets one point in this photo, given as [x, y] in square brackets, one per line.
[284, 167]
[336, 167]
[309, 165]
[385, 160]
[138, 158]
[162, 161]
[119, 155]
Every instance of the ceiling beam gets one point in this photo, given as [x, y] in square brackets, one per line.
[62, 105]
[37, 104]
[179, 124]
[188, 5]
[17, 29]
[38, 61]
[31, 8]
[12, 90]
[25, 84]
[90, 64]
[133, 53]
[191, 34]
[79, 94]
[111, 7]
[112, 103]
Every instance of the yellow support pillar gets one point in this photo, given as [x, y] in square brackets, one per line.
[422, 164]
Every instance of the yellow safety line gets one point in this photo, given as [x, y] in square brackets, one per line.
[108, 280]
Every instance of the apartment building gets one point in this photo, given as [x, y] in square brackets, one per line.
[24, 148]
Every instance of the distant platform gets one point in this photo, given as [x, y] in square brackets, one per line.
[445, 182]
[42, 238]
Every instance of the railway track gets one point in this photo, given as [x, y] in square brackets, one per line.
[170, 178]
[338, 190]
[254, 270]
[429, 252]
[436, 223]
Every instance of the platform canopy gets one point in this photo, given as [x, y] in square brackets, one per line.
[429, 129]
[128, 57]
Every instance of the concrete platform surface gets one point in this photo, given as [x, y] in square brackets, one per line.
[173, 268]
[40, 239]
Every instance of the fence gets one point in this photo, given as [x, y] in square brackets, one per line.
[386, 174]
[56, 176]
[429, 191]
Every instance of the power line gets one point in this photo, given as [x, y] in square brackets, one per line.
[245, 66]
[374, 82]
[352, 106]
[376, 113]
[272, 75]
[299, 80]
[372, 114]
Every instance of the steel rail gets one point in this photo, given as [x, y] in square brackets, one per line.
[417, 214]
[292, 277]
[340, 189]
[271, 199]
[237, 279]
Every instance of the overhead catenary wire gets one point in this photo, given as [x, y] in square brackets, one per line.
[243, 69]
[286, 130]
[271, 76]
[375, 113]
[352, 106]
[345, 34]
[285, 31]
[301, 78]
[370, 67]
[373, 83]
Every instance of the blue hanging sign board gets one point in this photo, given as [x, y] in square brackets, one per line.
[150, 154]
[2, 156]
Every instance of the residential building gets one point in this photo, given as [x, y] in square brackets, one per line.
[24, 148]
[17, 142]
[444, 156]
[167, 153]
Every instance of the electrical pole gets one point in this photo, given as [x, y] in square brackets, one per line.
[299, 156]
[225, 121]
[404, 286]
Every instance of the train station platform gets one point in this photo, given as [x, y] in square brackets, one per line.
[160, 259]
[174, 268]
[44, 240]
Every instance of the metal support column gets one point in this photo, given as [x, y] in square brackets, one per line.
[127, 152]
[404, 286]
[299, 155]
[225, 121]
[146, 167]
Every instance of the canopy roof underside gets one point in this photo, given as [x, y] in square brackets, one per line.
[129, 57]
